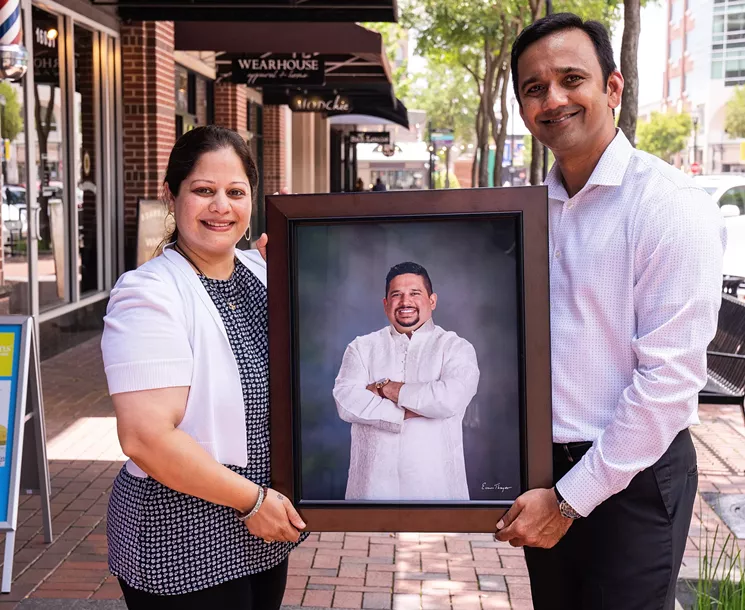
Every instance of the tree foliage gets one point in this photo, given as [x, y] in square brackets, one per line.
[12, 121]
[734, 122]
[394, 35]
[447, 97]
[665, 134]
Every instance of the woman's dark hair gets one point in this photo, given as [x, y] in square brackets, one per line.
[559, 22]
[403, 268]
[190, 147]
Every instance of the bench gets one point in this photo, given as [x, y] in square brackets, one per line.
[726, 357]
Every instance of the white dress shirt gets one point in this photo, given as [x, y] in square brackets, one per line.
[636, 281]
[420, 458]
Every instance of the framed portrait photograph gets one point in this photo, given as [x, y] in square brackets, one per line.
[409, 355]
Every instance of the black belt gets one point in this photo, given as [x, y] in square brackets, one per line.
[571, 452]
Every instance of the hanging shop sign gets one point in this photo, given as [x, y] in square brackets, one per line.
[369, 137]
[320, 103]
[278, 69]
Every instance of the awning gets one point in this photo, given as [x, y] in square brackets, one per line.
[380, 107]
[351, 52]
[255, 10]
[355, 62]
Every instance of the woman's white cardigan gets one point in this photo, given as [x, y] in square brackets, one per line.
[162, 330]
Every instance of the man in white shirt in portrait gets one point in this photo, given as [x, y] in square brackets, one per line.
[635, 288]
[405, 389]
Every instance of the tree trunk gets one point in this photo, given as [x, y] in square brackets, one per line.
[536, 162]
[629, 49]
[477, 151]
[501, 137]
[43, 127]
[487, 107]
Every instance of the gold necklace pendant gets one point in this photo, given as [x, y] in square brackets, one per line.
[231, 306]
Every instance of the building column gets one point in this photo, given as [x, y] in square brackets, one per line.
[149, 119]
[322, 161]
[303, 152]
[231, 107]
[275, 150]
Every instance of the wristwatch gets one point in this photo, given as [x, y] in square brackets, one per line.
[379, 386]
[250, 513]
[565, 508]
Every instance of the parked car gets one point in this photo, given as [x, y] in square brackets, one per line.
[15, 223]
[728, 190]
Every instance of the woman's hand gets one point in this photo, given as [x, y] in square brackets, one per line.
[261, 245]
[277, 520]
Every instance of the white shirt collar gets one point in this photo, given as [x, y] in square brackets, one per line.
[609, 170]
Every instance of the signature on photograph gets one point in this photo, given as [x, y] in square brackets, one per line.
[495, 487]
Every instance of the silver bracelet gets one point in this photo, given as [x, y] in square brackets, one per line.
[246, 516]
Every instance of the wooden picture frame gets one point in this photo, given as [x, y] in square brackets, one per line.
[287, 215]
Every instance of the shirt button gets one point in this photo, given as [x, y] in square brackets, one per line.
[558, 254]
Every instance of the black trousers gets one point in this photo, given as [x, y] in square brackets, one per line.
[261, 591]
[627, 553]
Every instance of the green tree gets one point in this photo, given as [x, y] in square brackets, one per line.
[476, 35]
[394, 38]
[448, 99]
[734, 122]
[12, 121]
[665, 134]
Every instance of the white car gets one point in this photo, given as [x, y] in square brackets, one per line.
[728, 191]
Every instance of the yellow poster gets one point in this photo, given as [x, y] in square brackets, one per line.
[5, 387]
[7, 342]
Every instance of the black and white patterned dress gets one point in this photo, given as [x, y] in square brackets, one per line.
[168, 543]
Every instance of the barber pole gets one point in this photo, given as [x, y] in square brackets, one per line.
[13, 55]
[10, 22]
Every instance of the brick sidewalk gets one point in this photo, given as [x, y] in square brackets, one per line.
[331, 570]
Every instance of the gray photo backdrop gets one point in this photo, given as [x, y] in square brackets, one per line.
[340, 286]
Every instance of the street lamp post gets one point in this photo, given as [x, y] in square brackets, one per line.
[695, 139]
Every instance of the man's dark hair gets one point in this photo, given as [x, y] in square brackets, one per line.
[403, 268]
[559, 22]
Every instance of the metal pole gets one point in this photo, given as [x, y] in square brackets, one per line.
[431, 157]
[549, 10]
[447, 167]
[695, 140]
[512, 140]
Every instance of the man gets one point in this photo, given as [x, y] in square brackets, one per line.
[405, 389]
[379, 185]
[636, 255]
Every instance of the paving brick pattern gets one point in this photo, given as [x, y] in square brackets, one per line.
[405, 571]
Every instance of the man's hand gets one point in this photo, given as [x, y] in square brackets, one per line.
[534, 520]
[391, 389]
[261, 245]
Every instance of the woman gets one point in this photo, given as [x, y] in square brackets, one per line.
[191, 521]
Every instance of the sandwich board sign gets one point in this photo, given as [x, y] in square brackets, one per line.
[23, 459]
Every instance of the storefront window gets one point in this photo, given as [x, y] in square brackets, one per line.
[194, 100]
[14, 288]
[53, 217]
[397, 180]
[86, 162]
